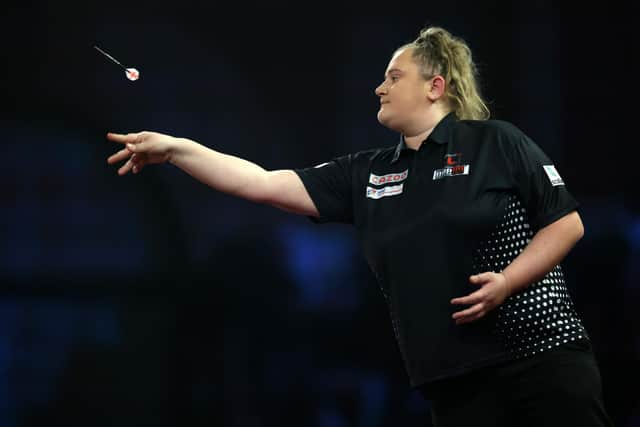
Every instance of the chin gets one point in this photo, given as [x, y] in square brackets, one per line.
[383, 118]
[386, 121]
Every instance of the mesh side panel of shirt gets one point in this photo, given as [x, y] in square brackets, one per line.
[543, 315]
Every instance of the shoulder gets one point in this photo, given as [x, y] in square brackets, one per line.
[355, 162]
[501, 129]
[366, 157]
[500, 135]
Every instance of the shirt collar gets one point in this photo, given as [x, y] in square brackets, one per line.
[439, 135]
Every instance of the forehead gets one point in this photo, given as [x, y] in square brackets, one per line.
[401, 60]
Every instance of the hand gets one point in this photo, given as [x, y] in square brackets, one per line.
[494, 290]
[141, 149]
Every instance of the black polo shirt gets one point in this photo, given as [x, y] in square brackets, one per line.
[467, 201]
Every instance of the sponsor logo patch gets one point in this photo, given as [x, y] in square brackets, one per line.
[553, 175]
[450, 171]
[378, 193]
[389, 178]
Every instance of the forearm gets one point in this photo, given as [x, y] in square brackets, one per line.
[223, 172]
[547, 249]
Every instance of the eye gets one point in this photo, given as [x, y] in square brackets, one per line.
[394, 78]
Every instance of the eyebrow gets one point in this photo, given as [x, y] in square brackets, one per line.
[393, 70]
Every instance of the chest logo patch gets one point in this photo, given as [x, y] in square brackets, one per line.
[379, 193]
[389, 178]
[453, 166]
[452, 159]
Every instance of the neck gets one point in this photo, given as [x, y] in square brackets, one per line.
[415, 137]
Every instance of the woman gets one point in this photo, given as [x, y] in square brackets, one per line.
[464, 223]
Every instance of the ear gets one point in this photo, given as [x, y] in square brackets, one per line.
[436, 88]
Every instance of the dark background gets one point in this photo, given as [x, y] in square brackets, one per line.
[151, 300]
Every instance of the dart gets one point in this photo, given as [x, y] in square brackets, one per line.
[131, 73]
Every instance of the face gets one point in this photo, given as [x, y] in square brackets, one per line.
[402, 93]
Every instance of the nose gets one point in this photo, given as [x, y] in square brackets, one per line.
[381, 90]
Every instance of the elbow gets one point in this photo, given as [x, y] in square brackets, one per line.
[580, 231]
[579, 228]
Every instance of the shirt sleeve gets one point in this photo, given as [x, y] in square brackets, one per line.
[330, 187]
[538, 183]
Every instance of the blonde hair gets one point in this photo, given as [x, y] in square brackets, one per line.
[437, 52]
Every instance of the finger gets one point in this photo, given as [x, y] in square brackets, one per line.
[481, 278]
[468, 312]
[122, 138]
[137, 167]
[471, 318]
[473, 298]
[120, 155]
[139, 161]
[125, 168]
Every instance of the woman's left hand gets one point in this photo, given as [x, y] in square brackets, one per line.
[494, 290]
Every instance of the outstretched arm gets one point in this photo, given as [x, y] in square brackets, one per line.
[228, 174]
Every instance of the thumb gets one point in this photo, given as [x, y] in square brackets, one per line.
[140, 147]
